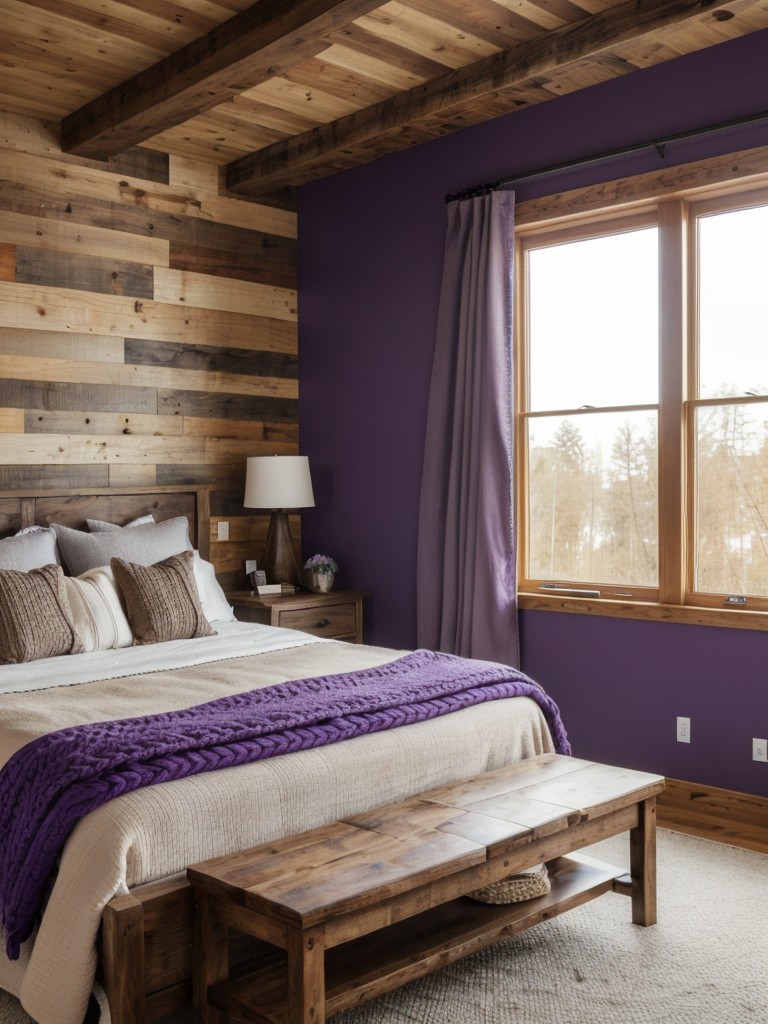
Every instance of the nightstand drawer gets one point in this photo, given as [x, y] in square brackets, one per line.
[328, 620]
[335, 616]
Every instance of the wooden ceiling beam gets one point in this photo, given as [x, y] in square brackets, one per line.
[496, 84]
[265, 40]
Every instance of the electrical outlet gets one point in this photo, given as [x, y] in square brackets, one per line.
[683, 730]
[759, 750]
[222, 531]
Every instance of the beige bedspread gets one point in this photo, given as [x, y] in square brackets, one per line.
[157, 831]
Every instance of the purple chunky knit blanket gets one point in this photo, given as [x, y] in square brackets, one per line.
[48, 785]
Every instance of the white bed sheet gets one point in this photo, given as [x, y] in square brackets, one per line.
[232, 640]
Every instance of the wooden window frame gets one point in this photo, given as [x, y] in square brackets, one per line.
[672, 199]
[524, 242]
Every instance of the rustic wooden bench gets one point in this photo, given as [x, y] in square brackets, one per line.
[363, 905]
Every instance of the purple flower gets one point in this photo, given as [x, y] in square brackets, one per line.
[321, 563]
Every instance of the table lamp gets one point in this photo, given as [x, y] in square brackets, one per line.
[278, 483]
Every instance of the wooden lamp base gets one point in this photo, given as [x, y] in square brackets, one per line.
[279, 557]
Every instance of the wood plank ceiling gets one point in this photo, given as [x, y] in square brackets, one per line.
[278, 93]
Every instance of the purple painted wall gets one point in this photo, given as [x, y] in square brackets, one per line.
[370, 253]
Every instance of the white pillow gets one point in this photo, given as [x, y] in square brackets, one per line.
[97, 611]
[99, 526]
[144, 545]
[32, 548]
[214, 603]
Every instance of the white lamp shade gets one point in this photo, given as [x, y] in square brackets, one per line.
[278, 481]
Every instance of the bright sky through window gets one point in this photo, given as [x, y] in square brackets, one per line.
[594, 322]
[733, 303]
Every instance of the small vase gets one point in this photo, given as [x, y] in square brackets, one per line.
[322, 582]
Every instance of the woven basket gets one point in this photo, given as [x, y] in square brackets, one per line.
[515, 888]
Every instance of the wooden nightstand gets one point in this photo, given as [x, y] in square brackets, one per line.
[337, 614]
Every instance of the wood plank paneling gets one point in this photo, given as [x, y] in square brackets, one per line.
[219, 405]
[148, 327]
[20, 478]
[83, 450]
[144, 376]
[282, 436]
[7, 262]
[129, 475]
[61, 345]
[85, 241]
[110, 276]
[167, 209]
[11, 421]
[270, 263]
[189, 173]
[210, 358]
[45, 421]
[64, 309]
[23, 394]
[228, 480]
[99, 215]
[190, 289]
[139, 162]
[247, 535]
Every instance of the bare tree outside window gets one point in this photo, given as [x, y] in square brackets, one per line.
[731, 438]
[592, 511]
[642, 401]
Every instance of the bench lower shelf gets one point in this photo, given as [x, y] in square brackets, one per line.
[386, 959]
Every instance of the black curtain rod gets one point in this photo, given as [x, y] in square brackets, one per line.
[659, 145]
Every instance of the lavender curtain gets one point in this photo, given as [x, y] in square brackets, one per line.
[466, 579]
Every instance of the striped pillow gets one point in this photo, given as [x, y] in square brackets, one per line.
[97, 611]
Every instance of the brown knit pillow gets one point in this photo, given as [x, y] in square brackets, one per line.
[35, 617]
[161, 600]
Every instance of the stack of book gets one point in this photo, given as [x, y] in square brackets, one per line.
[275, 588]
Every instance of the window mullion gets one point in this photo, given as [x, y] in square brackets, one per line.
[672, 368]
[521, 405]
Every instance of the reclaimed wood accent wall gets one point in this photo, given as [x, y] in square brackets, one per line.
[148, 327]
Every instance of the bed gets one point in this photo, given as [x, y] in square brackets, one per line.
[120, 909]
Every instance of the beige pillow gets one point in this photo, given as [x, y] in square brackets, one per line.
[35, 617]
[161, 600]
[97, 611]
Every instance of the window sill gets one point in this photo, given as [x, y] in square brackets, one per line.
[691, 615]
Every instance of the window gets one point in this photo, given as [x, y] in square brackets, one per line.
[593, 408]
[642, 359]
[730, 407]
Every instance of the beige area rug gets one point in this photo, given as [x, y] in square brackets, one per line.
[705, 962]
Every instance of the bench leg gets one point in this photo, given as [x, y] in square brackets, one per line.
[211, 959]
[642, 859]
[306, 976]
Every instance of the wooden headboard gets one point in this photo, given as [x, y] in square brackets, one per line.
[115, 505]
